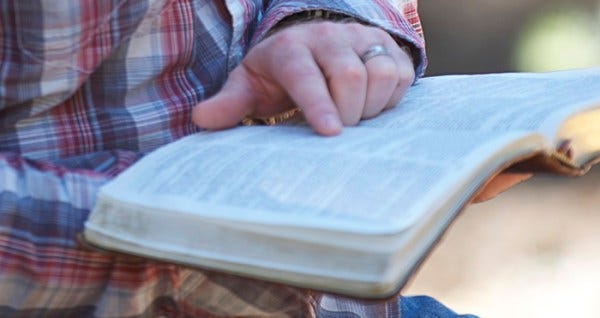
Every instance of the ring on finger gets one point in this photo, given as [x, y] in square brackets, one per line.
[374, 51]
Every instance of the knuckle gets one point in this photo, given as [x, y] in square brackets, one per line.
[326, 29]
[298, 69]
[406, 71]
[352, 72]
[356, 27]
[406, 78]
[388, 74]
[284, 39]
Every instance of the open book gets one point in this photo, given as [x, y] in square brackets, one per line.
[356, 213]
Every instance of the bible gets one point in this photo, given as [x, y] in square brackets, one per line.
[355, 213]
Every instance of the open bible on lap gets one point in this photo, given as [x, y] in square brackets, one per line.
[356, 213]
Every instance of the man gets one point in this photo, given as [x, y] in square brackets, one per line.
[87, 87]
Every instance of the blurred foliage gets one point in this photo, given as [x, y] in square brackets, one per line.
[483, 36]
[556, 39]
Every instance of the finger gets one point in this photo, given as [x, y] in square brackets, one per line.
[406, 73]
[228, 107]
[346, 77]
[383, 77]
[298, 73]
[402, 86]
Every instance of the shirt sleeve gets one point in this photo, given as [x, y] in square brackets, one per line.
[398, 17]
[50, 48]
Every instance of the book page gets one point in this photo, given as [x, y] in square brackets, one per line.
[363, 180]
[495, 102]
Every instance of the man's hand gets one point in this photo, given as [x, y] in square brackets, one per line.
[317, 67]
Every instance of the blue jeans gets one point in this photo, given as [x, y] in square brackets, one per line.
[426, 307]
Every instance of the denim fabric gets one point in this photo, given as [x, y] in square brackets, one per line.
[426, 307]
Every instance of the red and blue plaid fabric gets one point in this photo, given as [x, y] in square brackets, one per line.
[86, 88]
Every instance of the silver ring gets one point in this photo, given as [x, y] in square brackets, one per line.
[374, 51]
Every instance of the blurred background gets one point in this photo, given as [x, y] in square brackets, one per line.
[534, 251]
[477, 36]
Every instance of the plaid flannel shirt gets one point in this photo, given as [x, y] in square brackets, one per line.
[86, 88]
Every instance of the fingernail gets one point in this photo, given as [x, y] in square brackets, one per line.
[331, 124]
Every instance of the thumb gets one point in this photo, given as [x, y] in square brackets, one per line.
[226, 109]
